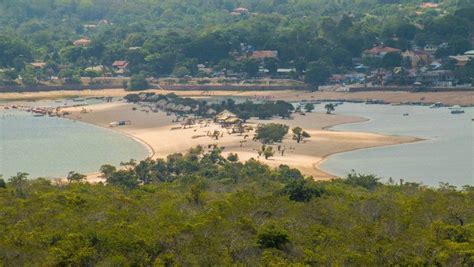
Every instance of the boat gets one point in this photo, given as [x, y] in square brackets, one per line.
[457, 111]
[455, 107]
[78, 99]
[405, 114]
[437, 105]
[375, 102]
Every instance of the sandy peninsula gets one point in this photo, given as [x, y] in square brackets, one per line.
[449, 98]
[164, 137]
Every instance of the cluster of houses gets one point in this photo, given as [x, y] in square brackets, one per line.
[119, 68]
[419, 67]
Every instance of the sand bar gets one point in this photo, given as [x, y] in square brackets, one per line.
[157, 131]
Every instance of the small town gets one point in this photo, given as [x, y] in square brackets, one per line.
[236, 133]
[402, 59]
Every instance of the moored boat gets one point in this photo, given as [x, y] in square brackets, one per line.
[457, 111]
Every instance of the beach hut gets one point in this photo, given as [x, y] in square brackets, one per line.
[227, 118]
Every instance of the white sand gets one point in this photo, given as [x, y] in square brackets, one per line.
[155, 130]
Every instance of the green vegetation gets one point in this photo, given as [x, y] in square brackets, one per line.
[309, 107]
[271, 133]
[330, 108]
[162, 38]
[266, 151]
[245, 110]
[138, 82]
[201, 209]
[74, 177]
[299, 135]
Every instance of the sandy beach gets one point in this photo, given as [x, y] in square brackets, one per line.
[164, 137]
[449, 98]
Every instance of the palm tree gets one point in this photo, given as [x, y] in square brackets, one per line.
[329, 108]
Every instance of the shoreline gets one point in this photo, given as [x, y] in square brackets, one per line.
[306, 157]
[463, 98]
[318, 164]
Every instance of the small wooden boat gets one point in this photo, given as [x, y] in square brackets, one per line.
[457, 111]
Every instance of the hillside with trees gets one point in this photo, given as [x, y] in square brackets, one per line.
[202, 209]
[312, 39]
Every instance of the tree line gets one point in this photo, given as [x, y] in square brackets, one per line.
[202, 208]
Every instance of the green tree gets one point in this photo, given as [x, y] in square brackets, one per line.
[75, 177]
[392, 59]
[329, 108]
[28, 77]
[107, 170]
[366, 181]
[272, 237]
[19, 182]
[124, 178]
[232, 157]
[299, 134]
[309, 107]
[271, 65]
[302, 190]
[268, 152]
[466, 73]
[250, 67]
[271, 132]
[317, 74]
[181, 71]
[138, 82]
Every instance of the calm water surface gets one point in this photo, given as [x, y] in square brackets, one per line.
[51, 147]
[446, 156]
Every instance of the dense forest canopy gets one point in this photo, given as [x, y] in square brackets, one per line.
[174, 36]
[201, 209]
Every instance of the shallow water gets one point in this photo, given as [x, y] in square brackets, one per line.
[51, 147]
[446, 156]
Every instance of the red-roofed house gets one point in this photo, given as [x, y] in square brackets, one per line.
[120, 67]
[38, 65]
[263, 54]
[82, 42]
[239, 11]
[429, 5]
[379, 51]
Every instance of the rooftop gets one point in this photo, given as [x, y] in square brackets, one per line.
[380, 50]
[469, 53]
[82, 42]
[264, 54]
[38, 65]
[120, 64]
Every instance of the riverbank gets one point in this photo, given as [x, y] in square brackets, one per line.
[449, 98]
[166, 137]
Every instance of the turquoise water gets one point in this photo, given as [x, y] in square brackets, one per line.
[446, 156]
[51, 147]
